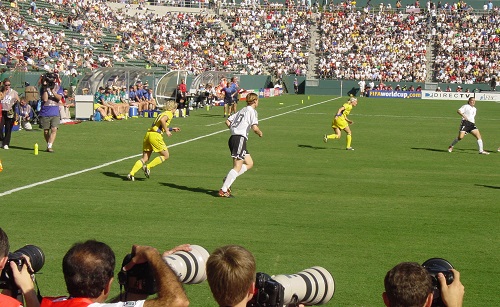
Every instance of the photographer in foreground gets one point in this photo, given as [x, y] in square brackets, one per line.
[231, 274]
[89, 269]
[22, 278]
[410, 284]
[51, 95]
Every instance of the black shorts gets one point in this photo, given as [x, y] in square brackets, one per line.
[228, 102]
[467, 126]
[238, 147]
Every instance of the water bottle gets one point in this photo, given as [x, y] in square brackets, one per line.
[36, 149]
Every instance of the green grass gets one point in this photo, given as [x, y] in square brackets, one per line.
[400, 196]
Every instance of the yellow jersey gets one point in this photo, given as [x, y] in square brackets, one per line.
[156, 126]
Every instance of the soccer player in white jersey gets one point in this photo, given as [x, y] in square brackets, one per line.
[468, 113]
[240, 124]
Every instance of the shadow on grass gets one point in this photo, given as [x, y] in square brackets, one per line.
[311, 147]
[209, 115]
[455, 150]
[487, 186]
[214, 193]
[123, 177]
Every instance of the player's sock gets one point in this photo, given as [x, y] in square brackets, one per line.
[480, 143]
[137, 166]
[332, 136]
[349, 139]
[455, 141]
[156, 161]
[230, 178]
[243, 169]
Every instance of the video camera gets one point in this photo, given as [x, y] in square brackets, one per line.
[435, 266]
[37, 260]
[49, 80]
[313, 286]
[190, 268]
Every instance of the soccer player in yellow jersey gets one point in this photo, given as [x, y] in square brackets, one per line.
[341, 122]
[153, 141]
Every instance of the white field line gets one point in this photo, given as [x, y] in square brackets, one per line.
[32, 185]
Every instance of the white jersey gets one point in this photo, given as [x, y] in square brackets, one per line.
[243, 120]
[469, 112]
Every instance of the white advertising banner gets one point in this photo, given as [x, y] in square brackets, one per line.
[487, 96]
[446, 95]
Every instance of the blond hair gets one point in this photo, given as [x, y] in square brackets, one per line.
[170, 105]
[251, 98]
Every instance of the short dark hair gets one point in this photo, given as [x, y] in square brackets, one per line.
[408, 284]
[88, 267]
[4, 244]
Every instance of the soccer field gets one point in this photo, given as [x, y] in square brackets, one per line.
[399, 196]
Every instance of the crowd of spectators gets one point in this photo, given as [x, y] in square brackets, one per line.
[386, 44]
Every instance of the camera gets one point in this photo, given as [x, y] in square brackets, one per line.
[435, 266]
[190, 268]
[36, 257]
[313, 286]
[49, 80]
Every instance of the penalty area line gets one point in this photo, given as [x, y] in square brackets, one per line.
[32, 185]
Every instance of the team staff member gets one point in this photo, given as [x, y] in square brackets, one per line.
[467, 125]
[341, 122]
[153, 141]
[49, 113]
[21, 278]
[9, 98]
[236, 88]
[240, 124]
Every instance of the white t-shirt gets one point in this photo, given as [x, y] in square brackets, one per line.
[469, 112]
[243, 120]
[119, 304]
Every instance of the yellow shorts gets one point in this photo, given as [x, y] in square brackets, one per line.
[153, 141]
[340, 122]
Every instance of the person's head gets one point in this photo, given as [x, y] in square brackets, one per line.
[170, 105]
[408, 284]
[6, 83]
[231, 275]
[4, 248]
[88, 269]
[252, 98]
[353, 101]
[471, 101]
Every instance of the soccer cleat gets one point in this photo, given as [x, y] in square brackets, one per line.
[349, 148]
[225, 194]
[146, 170]
[228, 189]
[498, 149]
[50, 150]
[130, 177]
[325, 138]
[450, 149]
[484, 152]
[5, 146]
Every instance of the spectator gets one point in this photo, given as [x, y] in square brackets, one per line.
[9, 98]
[88, 269]
[22, 278]
[410, 284]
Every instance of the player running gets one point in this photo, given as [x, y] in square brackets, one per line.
[240, 124]
[467, 125]
[341, 122]
[153, 141]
